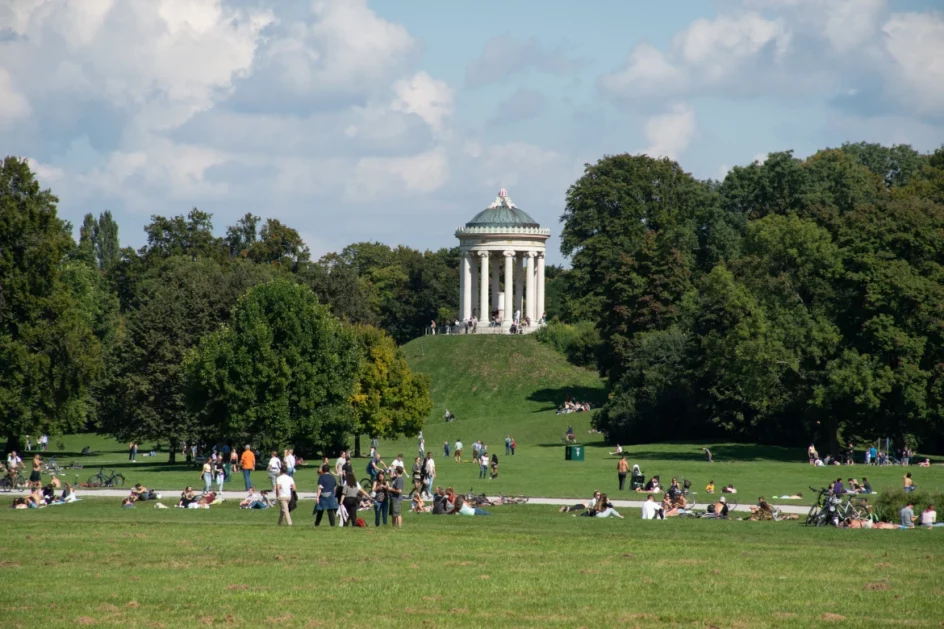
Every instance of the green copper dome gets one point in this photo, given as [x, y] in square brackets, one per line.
[502, 213]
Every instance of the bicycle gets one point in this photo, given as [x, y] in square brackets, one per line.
[569, 439]
[114, 479]
[9, 482]
[478, 501]
[51, 467]
[512, 500]
[691, 497]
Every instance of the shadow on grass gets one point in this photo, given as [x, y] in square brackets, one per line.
[721, 453]
[596, 396]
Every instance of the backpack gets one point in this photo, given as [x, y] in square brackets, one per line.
[359, 523]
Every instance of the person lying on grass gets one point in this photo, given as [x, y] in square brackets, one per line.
[127, 503]
[718, 510]
[581, 506]
[762, 510]
[464, 508]
[729, 490]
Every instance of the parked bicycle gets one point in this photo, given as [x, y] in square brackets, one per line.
[112, 479]
[513, 500]
[9, 482]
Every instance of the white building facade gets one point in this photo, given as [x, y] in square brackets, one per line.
[501, 268]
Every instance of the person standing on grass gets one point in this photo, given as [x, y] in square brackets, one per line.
[458, 450]
[445, 449]
[131, 451]
[219, 471]
[494, 467]
[284, 486]
[381, 504]
[430, 469]
[507, 445]
[36, 476]
[44, 442]
[274, 468]
[622, 469]
[475, 452]
[483, 465]
[325, 500]
[290, 462]
[232, 464]
[396, 497]
[417, 477]
[29, 443]
[206, 473]
[812, 454]
[514, 446]
[248, 463]
[421, 445]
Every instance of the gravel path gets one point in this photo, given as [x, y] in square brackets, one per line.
[307, 495]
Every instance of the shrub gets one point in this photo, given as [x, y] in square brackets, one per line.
[579, 342]
[889, 503]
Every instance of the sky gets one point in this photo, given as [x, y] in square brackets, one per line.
[397, 121]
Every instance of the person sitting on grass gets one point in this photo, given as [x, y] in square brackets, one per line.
[653, 486]
[652, 509]
[68, 494]
[909, 483]
[418, 505]
[854, 486]
[187, 496]
[762, 510]
[906, 515]
[719, 509]
[604, 508]
[729, 489]
[671, 505]
[439, 502]
[928, 516]
[619, 451]
[925, 463]
[710, 487]
[139, 492]
[581, 506]
[866, 487]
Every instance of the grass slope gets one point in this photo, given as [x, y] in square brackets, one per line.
[94, 564]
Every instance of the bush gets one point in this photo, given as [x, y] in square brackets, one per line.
[579, 342]
[889, 503]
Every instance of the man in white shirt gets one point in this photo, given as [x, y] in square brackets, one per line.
[340, 463]
[458, 451]
[284, 486]
[274, 468]
[651, 510]
[290, 462]
[44, 442]
[397, 463]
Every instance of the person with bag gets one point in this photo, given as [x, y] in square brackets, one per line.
[351, 493]
[396, 496]
[325, 500]
[379, 492]
[284, 490]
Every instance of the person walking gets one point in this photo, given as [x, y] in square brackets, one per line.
[351, 493]
[219, 471]
[622, 469]
[396, 497]
[508, 445]
[494, 474]
[514, 446]
[325, 499]
[290, 462]
[248, 463]
[274, 468]
[29, 443]
[131, 451]
[417, 477]
[380, 494]
[206, 473]
[430, 474]
[458, 451]
[284, 486]
[446, 449]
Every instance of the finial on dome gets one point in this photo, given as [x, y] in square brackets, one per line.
[502, 193]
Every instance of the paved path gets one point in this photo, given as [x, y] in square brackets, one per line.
[308, 495]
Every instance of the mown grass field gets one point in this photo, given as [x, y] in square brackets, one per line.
[94, 564]
[498, 386]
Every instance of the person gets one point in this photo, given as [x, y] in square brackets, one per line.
[622, 469]
[290, 462]
[374, 467]
[507, 445]
[418, 505]
[464, 508]
[458, 451]
[811, 453]
[604, 508]
[248, 463]
[873, 455]
[340, 463]
[909, 483]
[44, 442]
[838, 488]
[13, 463]
[29, 443]
[284, 487]
[68, 494]
[398, 462]
[906, 515]
[762, 510]
[581, 506]
[36, 475]
[381, 504]
[206, 474]
[445, 449]
[439, 502]
[325, 500]
[928, 516]
[187, 496]
[127, 503]
[421, 445]
[274, 468]
[651, 486]
[432, 327]
[494, 474]
[651, 509]
[720, 508]
[925, 463]
[396, 497]
[707, 454]
[430, 469]
[710, 487]
[139, 492]
[232, 465]
[514, 446]
[247, 502]
[417, 477]
[729, 489]
[866, 487]
[854, 486]
[131, 451]
[219, 471]
[483, 466]
[351, 492]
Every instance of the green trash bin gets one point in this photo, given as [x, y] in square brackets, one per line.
[573, 453]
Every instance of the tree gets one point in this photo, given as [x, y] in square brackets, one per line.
[107, 247]
[283, 372]
[176, 304]
[48, 354]
[390, 400]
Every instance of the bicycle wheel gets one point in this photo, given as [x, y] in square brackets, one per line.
[6, 485]
[96, 481]
[690, 500]
[811, 516]
[118, 480]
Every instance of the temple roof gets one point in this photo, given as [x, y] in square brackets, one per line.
[502, 213]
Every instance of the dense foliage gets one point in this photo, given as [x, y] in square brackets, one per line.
[796, 300]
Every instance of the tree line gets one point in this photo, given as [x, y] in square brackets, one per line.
[195, 337]
[796, 300]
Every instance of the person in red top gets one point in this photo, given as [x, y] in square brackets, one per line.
[248, 463]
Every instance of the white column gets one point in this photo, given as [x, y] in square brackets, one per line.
[529, 278]
[540, 300]
[509, 282]
[466, 288]
[483, 280]
[461, 286]
[519, 286]
[473, 260]
[495, 286]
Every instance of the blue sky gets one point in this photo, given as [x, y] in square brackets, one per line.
[397, 121]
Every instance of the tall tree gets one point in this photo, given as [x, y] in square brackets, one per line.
[282, 373]
[48, 354]
[107, 247]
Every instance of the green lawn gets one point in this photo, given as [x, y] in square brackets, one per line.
[95, 564]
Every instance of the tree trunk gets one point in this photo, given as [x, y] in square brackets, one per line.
[172, 455]
[13, 443]
[357, 446]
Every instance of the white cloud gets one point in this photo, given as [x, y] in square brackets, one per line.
[670, 133]
[376, 176]
[424, 96]
[13, 105]
[44, 172]
[915, 45]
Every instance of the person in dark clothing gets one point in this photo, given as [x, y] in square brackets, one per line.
[352, 492]
[325, 499]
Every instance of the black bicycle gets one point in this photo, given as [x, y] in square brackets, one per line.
[112, 479]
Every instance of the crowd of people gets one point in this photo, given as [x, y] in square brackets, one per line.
[573, 406]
